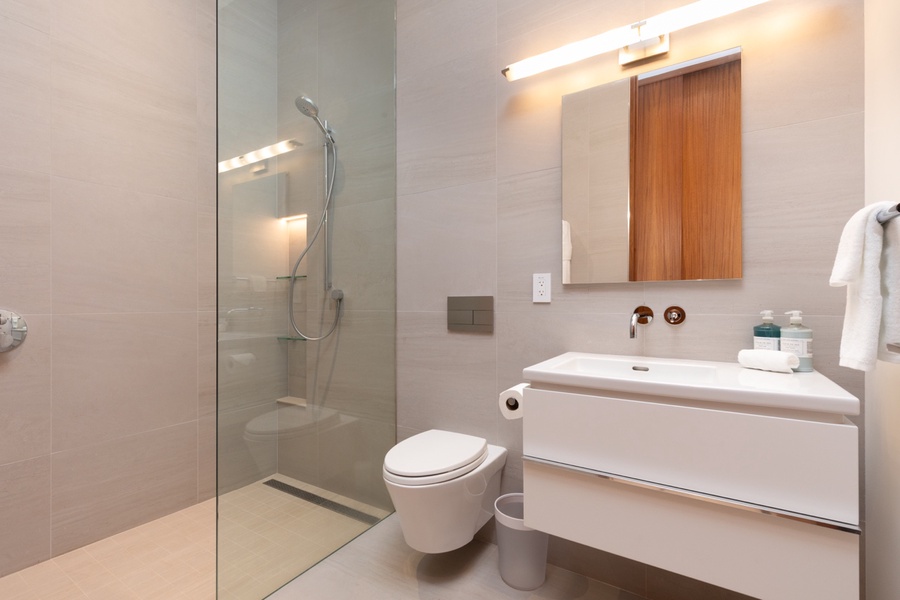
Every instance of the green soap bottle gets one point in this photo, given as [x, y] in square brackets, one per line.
[767, 336]
[797, 339]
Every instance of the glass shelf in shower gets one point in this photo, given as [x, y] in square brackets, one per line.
[287, 277]
[290, 338]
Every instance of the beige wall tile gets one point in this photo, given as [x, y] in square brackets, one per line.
[449, 246]
[118, 375]
[433, 33]
[353, 371]
[25, 396]
[130, 101]
[240, 461]
[206, 457]
[115, 251]
[364, 255]
[24, 513]
[353, 33]
[34, 13]
[446, 380]
[24, 92]
[101, 489]
[25, 268]
[448, 132]
[206, 258]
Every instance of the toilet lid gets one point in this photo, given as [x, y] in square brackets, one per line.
[434, 452]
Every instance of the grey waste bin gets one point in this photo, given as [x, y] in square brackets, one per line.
[523, 551]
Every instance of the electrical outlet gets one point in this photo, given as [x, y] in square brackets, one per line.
[540, 290]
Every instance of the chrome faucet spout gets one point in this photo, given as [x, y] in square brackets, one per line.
[642, 315]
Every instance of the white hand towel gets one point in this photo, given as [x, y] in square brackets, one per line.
[857, 266]
[890, 291]
[768, 360]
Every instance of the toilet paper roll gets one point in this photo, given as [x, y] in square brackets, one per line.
[511, 401]
[241, 360]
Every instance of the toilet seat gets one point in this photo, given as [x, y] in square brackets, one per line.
[434, 456]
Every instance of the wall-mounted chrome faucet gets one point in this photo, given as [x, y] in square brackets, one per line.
[642, 315]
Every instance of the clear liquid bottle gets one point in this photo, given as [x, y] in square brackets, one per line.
[797, 339]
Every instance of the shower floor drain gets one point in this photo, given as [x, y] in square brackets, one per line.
[323, 502]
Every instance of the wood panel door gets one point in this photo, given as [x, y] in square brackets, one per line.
[686, 176]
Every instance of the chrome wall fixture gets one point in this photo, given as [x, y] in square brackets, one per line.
[13, 330]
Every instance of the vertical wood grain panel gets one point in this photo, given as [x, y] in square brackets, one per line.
[711, 206]
[658, 181]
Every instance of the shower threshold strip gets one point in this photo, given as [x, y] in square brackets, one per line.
[323, 502]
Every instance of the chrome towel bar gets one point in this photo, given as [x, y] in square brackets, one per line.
[888, 213]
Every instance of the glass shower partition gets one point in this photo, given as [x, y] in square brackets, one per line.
[302, 426]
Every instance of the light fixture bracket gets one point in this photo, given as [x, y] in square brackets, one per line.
[656, 45]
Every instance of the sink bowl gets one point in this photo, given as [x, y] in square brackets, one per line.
[693, 380]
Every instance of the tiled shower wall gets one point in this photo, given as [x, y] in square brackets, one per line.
[479, 205]
[107, 197]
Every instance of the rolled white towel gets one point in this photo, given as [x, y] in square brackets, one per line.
[768, 360]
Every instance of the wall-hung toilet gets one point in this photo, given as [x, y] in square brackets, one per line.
[443, 486]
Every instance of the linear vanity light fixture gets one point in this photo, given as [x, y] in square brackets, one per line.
[634, 42]
[258, 155]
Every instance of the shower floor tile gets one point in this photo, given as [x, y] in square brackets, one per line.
[172, 558]
[268, 536]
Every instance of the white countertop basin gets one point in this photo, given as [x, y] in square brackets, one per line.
[694, 380]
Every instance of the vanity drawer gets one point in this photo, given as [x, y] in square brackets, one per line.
[761, 555]
[800, 466]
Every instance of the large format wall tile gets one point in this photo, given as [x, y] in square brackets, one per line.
[117, 375]
[24, 95]
[24, 514]
[104, 488]
[447, 380]
[108, 149]
[25, 396]
[449, 134]
[33, 13]
[117, 251]
[25, 267]
[449, 245]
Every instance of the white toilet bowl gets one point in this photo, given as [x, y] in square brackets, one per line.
[443, 486]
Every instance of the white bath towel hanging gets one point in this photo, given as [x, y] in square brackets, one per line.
[890, 291]
[858, 265]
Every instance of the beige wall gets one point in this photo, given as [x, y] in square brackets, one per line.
[107, 198]
[882, 532]
[479, 204]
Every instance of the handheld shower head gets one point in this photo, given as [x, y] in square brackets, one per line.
[305, 105]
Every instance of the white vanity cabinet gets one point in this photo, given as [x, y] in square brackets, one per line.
[749, 483]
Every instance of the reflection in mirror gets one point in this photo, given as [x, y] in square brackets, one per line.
[652, 176]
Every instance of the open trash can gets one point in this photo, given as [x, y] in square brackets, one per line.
[523, 551]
